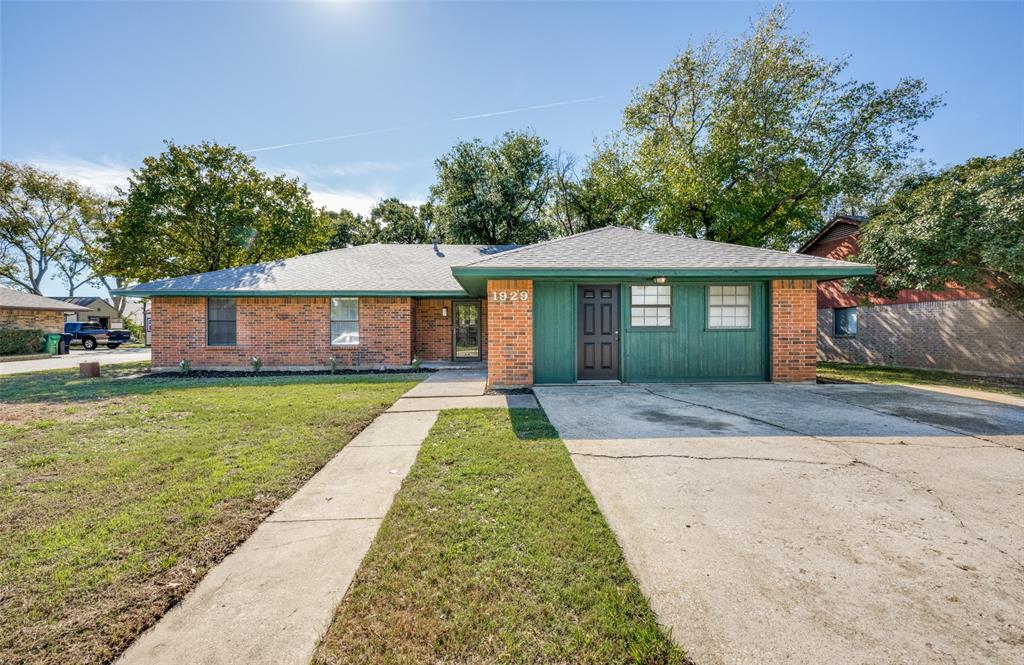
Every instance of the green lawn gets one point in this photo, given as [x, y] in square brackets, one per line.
[494, 552]
[118, 494]
[876, 374]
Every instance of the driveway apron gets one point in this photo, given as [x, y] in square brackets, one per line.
[271, 599]
[812, 524]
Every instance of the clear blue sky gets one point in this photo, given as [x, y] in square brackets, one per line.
[89, 89]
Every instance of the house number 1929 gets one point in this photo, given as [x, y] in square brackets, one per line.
[510, 296]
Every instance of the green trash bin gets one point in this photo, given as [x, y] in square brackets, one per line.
[52, 344]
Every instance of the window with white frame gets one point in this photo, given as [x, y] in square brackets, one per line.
[728, 306]
[344, 321]
[650, 306]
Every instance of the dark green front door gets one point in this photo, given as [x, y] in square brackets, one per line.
[598, 332]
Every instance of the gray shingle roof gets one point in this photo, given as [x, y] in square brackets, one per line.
[9, 298]
[376, 268]
[619, 247]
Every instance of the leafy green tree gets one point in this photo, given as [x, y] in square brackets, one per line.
[41, 215]
[399, 222]
[205, 207]
[583, 203]
[964, 226]
[749, 141]
[493, 193]
[349, 229]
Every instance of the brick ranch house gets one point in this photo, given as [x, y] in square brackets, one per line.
[610, 304]
[27, 311]
[953, 329]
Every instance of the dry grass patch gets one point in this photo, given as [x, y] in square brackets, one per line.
[494, 552]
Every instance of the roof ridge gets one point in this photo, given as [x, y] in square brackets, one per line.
[544, 243]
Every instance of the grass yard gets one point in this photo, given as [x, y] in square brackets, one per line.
[876, 374]
[118, 494]
[494, 552]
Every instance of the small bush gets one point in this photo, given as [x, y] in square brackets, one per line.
[256, 364]
[185, 366]
[15, 341]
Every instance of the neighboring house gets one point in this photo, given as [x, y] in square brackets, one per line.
[31, 312]
[609, 304]
[99, 311]
[953, 329]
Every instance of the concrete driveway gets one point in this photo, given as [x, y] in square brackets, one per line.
[812, 524]
[77, 355]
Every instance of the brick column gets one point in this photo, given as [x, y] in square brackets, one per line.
[794, 329]
[509, 333]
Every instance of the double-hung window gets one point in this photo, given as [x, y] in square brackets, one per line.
[650, 306]
[728, 306]
[220, 321]
[344, 321]
[845, 321]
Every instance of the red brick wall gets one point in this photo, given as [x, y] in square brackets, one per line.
[510, 334]
[48, 321]
[794, 329]
[282, 332]
[832, 294]
[433, 333]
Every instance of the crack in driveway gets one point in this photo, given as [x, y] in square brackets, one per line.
[712, 459]
[856, 461]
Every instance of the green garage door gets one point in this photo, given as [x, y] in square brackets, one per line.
[554, 332]
[718, 332]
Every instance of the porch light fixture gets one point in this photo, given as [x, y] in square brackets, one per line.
[444, 312]
[659, 280]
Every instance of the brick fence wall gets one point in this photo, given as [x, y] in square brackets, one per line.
[282, 332]
[794, 319]
[961, 336]
[510, 333]
[32, 319]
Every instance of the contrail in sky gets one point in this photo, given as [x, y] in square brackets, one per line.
[372, 132]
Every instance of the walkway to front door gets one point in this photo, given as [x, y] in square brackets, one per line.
[598, 336]
[271, 599]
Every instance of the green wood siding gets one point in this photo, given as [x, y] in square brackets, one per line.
[688, 351]
[554, 332]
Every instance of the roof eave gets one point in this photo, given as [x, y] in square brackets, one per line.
[474, 279]
[240, 293]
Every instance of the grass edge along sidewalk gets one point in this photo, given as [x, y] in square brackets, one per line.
[905, 375]
[118, 494]
[495, 551]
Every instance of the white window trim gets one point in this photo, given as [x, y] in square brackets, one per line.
[645, 306]
[749, 306]
[331, 321]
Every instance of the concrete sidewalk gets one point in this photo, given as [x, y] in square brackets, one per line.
[271, 599]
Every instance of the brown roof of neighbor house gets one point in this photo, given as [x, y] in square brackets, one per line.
[841, 226]
[11, 299]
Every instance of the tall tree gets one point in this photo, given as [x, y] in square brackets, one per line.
[581, 203]
[349, 228]
[40, 213]
[749, 141]
[963, 225]
[399, 222]
[493, 193]
[205, 207]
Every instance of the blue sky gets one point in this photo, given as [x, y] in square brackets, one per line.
[89, 89]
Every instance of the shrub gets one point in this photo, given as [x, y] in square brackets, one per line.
[255, 363]
[185, 366]
[14, 341]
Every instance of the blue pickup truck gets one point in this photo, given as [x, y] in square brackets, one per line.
[91, 335]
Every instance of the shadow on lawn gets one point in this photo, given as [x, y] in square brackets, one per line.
[61, 386]
[531, 424]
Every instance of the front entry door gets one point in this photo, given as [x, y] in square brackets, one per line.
[598, 332]
[466, 317]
